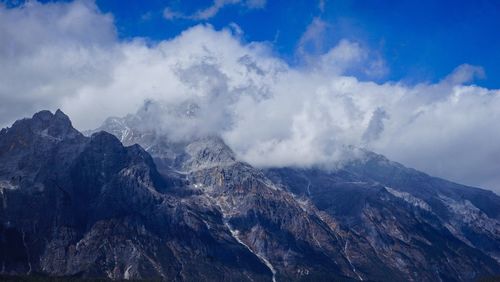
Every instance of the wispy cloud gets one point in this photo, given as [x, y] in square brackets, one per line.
[347, 56]
[213, 10]
[321, 5]
[170, 14]
[312, 40]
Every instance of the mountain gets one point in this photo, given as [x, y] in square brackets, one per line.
[190, 210]
[294, 243]
[423, 228]
[392, 222]
[90, 207]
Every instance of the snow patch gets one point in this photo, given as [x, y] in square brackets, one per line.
[235, 234]
[126, 275]
[349, 260]
[407, 197]
[221, 203]
[7, 185]
[468, 213]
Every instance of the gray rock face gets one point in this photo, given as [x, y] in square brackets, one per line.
[371, 220]
[394, 228]
[182, 156]
[294, 243]
[90, 207]
[189, 210]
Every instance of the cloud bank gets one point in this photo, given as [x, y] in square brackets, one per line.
[207, 81]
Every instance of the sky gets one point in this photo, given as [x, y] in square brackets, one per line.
[285, 83]
[419, 40]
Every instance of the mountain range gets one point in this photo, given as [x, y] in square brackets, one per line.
[127, 201]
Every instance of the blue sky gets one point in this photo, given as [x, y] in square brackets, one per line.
[419, 40]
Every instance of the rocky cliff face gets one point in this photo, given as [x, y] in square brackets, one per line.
[373, 219]
[90, 207]
[292, 242]
[409, 235]
[190, 210]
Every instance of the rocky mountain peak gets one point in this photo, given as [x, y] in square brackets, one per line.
[46, 117]
[105, 139]
[40, 132]
[208, 152]
[46, 124]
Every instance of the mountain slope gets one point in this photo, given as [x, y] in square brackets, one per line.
[293, 242]
[190, 210]
[375, 219]
[401, 229]
[89, 207]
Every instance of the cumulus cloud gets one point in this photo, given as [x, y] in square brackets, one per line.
[212, 10]
[49, 51]
[207, 81]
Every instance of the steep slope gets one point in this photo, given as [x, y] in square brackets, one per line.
[373, 219]
[294, 243]
[89, 207]
[402, 230]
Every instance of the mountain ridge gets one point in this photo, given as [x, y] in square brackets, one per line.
[372, 219]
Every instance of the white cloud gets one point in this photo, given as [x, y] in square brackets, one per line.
[68, 56]
[256, 4]
[212, 10]
[170, 14]
[312, 40]
[49, 51]
[346, 57]
[464, 74]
